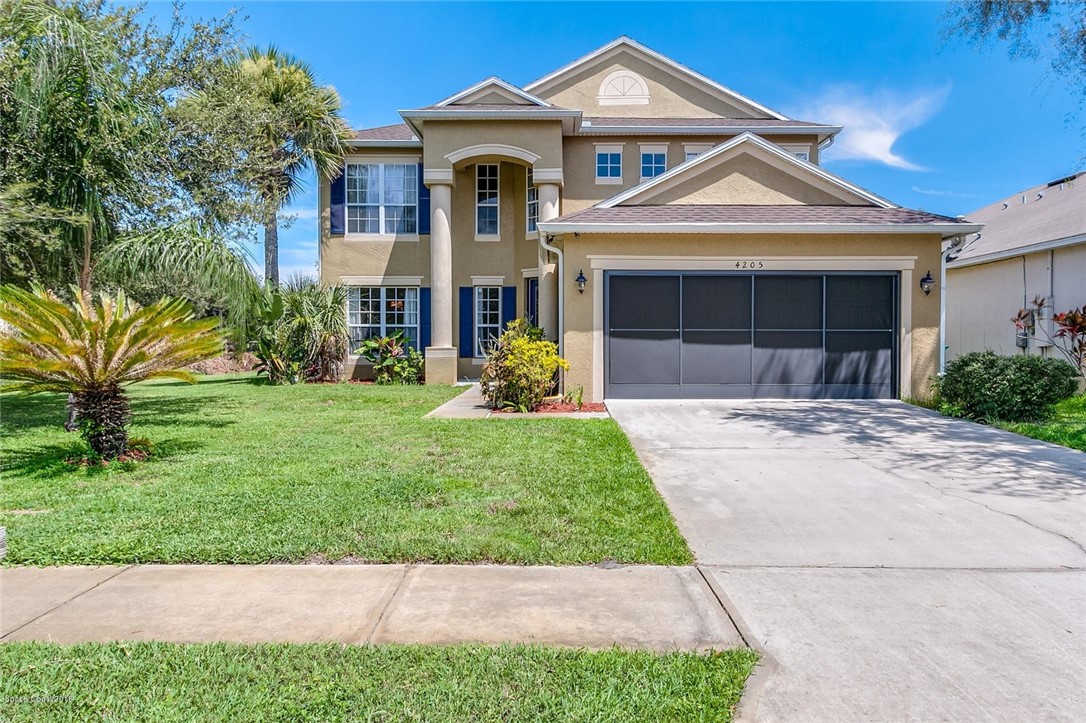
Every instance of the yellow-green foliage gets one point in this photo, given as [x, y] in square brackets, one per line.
[521, 367]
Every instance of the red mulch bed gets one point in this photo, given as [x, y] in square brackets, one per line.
[557, 406]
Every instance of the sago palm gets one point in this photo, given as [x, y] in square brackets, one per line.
[92, 348]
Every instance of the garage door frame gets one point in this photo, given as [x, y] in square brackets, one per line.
[897, 336]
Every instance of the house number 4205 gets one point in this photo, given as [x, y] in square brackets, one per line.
[750, 264]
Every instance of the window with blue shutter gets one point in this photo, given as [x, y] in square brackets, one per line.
[337, 199]
[424, 206]
[467, 325]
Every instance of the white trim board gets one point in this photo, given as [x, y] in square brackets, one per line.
[381, 280]
[770, 263]
[947, 230]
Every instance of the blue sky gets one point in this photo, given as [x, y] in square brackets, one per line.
[944, 127]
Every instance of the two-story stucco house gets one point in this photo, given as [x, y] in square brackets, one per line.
[675, 237]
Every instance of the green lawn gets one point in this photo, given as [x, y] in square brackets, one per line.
[250, 473]
[1067, 427]
[168, 682]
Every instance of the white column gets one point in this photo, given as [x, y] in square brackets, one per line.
[548, 279]
[441, 355]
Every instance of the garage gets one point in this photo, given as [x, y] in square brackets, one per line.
[710, 335]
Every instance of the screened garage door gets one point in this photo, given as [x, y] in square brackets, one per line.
[712, 335]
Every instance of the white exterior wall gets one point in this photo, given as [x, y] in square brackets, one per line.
[982, 299]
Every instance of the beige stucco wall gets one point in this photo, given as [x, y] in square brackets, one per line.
[579, 170]
[579, 342]
[982, 299]
[541, 137]
[746, 180]
[669, 95]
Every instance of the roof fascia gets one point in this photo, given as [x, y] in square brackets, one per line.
[1020, 251]
[947, 230]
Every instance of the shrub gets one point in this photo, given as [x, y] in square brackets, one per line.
[394, 360]
[300, 332]
[985, 386]
[91, 348]
[520, 368]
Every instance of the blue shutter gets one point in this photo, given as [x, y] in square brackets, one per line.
[424, 318]
[509, 305]
[424, 206]
[337, 198]
[467, 323]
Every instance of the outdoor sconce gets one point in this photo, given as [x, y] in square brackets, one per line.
[927, 283]
[581, 281]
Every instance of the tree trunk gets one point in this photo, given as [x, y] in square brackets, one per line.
[271, 248]
[104, 415]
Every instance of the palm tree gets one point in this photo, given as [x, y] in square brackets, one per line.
[298, 127]
[90, 349]
[317, 320]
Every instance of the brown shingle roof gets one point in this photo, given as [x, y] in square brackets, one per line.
[397, 132]
[493, 106]
[780, 214]
[699, 123]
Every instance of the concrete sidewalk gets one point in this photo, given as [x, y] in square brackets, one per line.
[644, 607]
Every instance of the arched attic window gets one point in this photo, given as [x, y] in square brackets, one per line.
[623, 87]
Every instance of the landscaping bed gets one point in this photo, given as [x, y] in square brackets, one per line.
[244, 472]
[221, 681]
[559, 406]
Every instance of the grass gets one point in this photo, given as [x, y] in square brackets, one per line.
[221, 681]
[248, 473]
[1067, 426]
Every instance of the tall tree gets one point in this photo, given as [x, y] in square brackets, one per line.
[1053, 30]
[294, 125]
[93, 153]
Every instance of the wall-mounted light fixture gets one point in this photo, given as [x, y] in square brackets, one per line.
[581, 281]
[927, 283]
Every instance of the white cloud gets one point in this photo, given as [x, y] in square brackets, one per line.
[945, 194]
[873, 120]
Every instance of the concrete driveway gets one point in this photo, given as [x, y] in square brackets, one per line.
[896, 565]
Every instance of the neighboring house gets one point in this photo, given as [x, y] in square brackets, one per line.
[677, 238]
[1033, 244]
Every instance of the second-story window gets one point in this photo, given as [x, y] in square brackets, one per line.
[382, 198]
[533, 203]
[486, 199]
[608, 164]
[653, 161]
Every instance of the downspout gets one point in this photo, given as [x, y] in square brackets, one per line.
[544, 242]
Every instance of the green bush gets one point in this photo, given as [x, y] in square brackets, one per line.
[394, 360]
[987, 387]
[520, 368]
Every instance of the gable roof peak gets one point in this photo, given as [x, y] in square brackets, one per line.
[625, 42]
[691, 168]
[493, 83]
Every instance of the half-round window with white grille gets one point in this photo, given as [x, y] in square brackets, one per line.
[623, 87]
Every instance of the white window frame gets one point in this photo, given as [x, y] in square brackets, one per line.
[531, 195]
[381, 233]
[476, 313]
[383, 327]
[608, 148]
[651, 149]
[693, 150]
[497, 204]
[800, 151]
